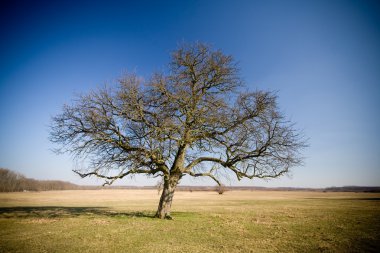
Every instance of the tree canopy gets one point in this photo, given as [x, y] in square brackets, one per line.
[196, 120]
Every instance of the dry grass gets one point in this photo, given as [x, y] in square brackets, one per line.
[237, 221]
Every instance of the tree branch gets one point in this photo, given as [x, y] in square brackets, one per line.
[113, 178]
[206, 174]
[203, 159]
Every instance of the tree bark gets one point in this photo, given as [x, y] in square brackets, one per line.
[164, 207]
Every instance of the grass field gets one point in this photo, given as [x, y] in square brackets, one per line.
[237, 221]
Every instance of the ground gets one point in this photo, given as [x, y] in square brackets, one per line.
[237, 221]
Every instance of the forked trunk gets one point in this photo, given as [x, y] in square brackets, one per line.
[163, 211]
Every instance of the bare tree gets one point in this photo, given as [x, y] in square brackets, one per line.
[196, 120]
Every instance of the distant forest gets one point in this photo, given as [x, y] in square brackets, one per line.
[15, 182]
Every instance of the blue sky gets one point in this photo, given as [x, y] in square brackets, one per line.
[322, 57]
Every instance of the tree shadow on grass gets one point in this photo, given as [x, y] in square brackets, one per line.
[65, 212]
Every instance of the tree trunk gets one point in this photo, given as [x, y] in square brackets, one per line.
[163, 211]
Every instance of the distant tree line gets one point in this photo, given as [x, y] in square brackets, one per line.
[15, 182]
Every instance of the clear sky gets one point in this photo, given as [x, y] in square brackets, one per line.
[323, 58]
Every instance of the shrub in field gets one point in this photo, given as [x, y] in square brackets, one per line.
[220, 188]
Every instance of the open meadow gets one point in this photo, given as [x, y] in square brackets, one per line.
[237, 221]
